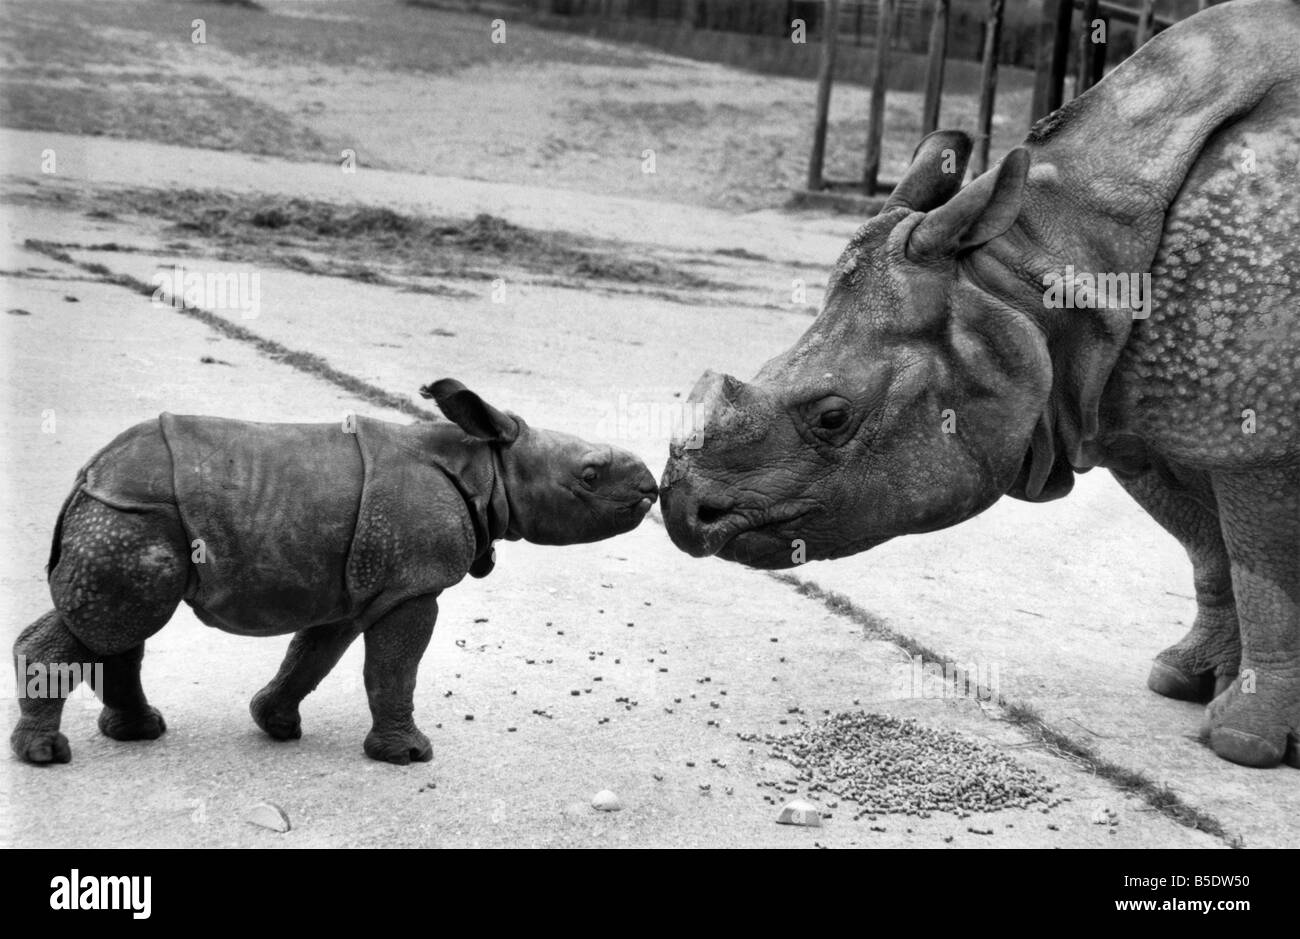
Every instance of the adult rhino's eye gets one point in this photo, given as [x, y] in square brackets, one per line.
[833, 420]
[589, 476]
[830, 418]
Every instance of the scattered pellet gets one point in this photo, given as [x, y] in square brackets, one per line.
[889, 766]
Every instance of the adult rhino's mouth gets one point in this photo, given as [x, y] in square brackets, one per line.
[724, 530]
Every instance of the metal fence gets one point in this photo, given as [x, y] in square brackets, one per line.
[857, 26]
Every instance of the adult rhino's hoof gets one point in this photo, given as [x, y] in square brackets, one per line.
[39, 746]
[132, 725]
[1249, 729]
[1174, 683]
[401, 748]
[1246, 748]
[278, 722]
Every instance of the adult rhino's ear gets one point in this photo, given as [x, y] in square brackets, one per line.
[471, 413]
[979, 213]
[935, 173]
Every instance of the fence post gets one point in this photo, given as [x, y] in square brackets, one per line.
[1053, 53]
[934, 68]
[988, 84]
[1085, 77]
[825, 77]
[1146, 10]
[1099, 53]
[879, 80]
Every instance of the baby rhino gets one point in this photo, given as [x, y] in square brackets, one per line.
[326, 531]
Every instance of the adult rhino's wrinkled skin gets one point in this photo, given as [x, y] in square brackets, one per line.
[326, 531]
[940, 375]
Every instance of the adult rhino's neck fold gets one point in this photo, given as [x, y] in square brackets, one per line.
[1121, 151]
[1105, 170]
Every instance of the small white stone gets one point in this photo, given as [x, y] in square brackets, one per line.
[799, 812]
[606, 801]
[1105, 815]
[268, 815]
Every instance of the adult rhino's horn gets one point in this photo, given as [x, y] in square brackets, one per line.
[935, 173]
[727, 406]
[716, 391]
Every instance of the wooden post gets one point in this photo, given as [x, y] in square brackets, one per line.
[934, 68]
[1086, 78]
[879, 81]
[1146, 10]
[825, 77]
[988, 84]
[1099, 53]
[1053, 54]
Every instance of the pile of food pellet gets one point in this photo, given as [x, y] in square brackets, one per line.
[890, 766]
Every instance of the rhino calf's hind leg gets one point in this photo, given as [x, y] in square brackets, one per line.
[1256, 721]
[1204, 662]
[43, 653]
[116, 578]
[394, 646]
[311, 655]
[127, 714]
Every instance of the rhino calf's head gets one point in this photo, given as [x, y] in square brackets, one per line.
[560, 489]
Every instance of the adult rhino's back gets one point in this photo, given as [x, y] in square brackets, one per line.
[1212, 377]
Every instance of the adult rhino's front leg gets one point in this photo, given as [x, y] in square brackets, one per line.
[1256, 721]
[1204, 662]
[394, 646]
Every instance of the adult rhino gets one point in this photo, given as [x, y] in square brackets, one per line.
[941, 373]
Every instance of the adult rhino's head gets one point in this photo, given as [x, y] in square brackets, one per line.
[913, 401]
[560, 489]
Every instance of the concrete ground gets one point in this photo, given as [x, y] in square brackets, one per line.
[1068, 601]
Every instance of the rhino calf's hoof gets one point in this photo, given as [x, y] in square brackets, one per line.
[401, 748]
[33, 745]
[276, 722]
[132, 725]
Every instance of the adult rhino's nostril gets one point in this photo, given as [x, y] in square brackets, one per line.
[709, 513]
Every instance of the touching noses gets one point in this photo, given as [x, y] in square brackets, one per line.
[692, 516]
[642, 484]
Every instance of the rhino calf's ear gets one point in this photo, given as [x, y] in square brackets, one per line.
[979, 213]
[471, 413]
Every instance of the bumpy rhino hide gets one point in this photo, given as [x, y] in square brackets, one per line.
[293, 525]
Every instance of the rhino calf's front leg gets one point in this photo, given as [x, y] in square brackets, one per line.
[311, 655]
[394, 646]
